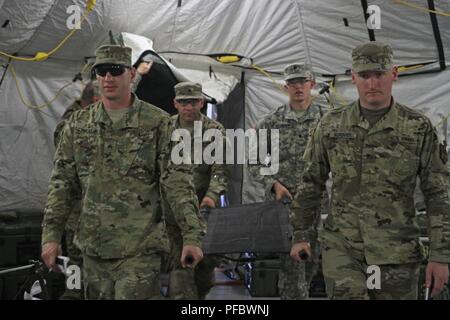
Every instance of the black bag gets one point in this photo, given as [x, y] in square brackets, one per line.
[258, 228]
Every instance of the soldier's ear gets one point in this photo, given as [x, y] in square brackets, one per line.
[394, 73]
[133, 73]
[353, 78]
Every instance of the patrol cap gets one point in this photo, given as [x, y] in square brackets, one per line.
[298, 70]
[372, 56]
[113, 54]
[188, 90]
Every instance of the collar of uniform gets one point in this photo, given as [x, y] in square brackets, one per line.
[176, 120]
[355, 117]
[389, 120]
[307, 115]
[312, 112]
[100, 115]
[130, 120]
[289, 113]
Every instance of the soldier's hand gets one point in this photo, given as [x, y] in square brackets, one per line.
[191, 256]
[144, 67]
[436, 274]
[281, 191]
[207, 202]
[50, 250]
[297, 247]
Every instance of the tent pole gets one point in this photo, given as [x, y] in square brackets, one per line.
[366, 16]
[437, 34]
[6, 70]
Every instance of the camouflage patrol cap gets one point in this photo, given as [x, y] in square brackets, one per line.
[298, 70]
[372, 56]
[188, 90]
[113, 54]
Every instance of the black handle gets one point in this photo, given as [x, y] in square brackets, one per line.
[204, 212]
[303, 255]
[189, 260]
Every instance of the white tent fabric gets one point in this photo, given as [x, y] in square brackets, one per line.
[272, 33]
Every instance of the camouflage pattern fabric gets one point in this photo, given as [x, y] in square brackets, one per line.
[210, 181]
[294, 129]
[113, 54]
[372, 56]
[374, 173]
[295, 278]
[132, 278]
[293, 133]
[73, 252]
[298, 70]
[76, 105]
[188, 90]
[190, 284]
[124, 171]
[345, 274]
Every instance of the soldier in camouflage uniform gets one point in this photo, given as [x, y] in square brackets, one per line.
[116, 155]
[294, 122]
[90, 95]
[375, 148]
[210, 181]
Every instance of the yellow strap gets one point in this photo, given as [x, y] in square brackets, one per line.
[264, 72]
[22, 98]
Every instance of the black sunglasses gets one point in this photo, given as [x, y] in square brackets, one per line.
[113, 69]
[185, 102]
[297, 81]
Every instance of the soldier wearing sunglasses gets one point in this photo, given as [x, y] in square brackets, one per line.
[90, 95]
[115, 156]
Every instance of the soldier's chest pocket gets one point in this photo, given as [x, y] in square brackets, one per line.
[140, 161]
[85, 149]
[343, 150]
[403, 159]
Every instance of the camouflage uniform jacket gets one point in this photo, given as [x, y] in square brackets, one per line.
[293, 135]
[76, 105]
[374, 175]
[122, 170]
[209, 179]
[72, 221]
